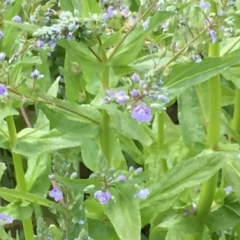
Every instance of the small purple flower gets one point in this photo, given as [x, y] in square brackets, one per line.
[36, 74]
[204, 5]
[1, 35]
[39, 44]
[146, 23]
[17, 19]
[143, 193]
[103, 197]
[185, 212]
[81, 222]
[130, 168]
[142, 113]
[135, 77]
[72, 27]
[212, 33]
[163, 98]
[124, 11]
[3, 89]
[93, 175]
[2, 56]
[153, 48]
[197, 58]
[5, 218]
[69, 36]
[154, 95]
[109, 14]
[228, 189]
[220, 13]
[138, 170]
[51, 176]
[56, 194]
[135, 93]
[121, 97]
[122, 178]
[52, 44]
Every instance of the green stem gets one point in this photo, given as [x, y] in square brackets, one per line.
[160, 124]
[236, 114]
[105, 135]
[19, 172]
[213, 135]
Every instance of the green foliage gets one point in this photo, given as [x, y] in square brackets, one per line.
[79, 160]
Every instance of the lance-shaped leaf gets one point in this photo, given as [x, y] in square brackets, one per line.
[187, 174]
[124, 214]
[189, 74]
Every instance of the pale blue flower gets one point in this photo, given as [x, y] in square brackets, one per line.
[103, 197]
[143, 193]
[2, 56]
[17, 19]
[56, 194]
[122, 178]
[5, 218]
[121, 97]
[3, 89]
[142, 113]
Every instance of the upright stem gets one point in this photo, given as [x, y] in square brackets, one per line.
[160, 128]
[236, 114]
[104, 137]
[213, 135]
[19, 172]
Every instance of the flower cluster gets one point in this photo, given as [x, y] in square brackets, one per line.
[110, 178]
[143, 95]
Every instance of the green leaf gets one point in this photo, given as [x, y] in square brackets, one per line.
[131, 47]
[189, 74]
[124, 214]
[191, 117]
[90, 151]
[84, 113]
[99, 230]
[77, 184]
[74, 83]
[42, 122]
[222, 219]
[6, 111]
[19, 210]
[44, 69]
[30, 28]
[232, 173]
[89, 7]
[38, 142]
[2, 169]
[66, 5]
[71, 126]
[28, 197]
[36, 177]
[28, 62]
[188, 173]
[81, 51]
[179, 228]
[13, 11]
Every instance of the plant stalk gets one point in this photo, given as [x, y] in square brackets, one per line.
[213, 135]
[160, 128]
[19, 172]
[236, 114]
[104, 137]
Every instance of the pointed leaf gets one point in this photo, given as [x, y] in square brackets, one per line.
[124, 214]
